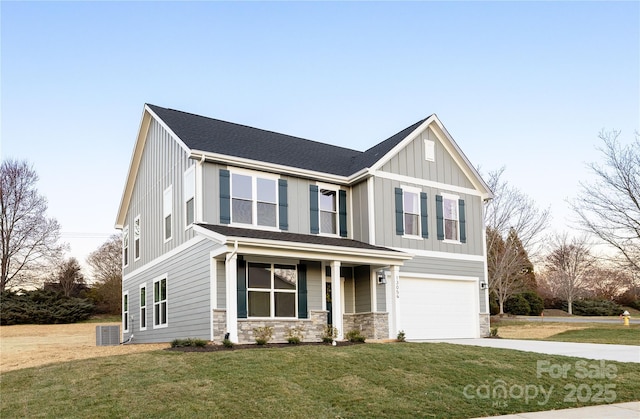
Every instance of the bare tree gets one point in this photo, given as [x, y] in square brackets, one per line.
[568, 266]
[514, 232]
[106, 263]
[607, 282]
[29, 239]
[610, 206]
[70, 277]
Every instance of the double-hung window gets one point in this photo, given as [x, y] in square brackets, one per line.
[411, 212]
[143, 307]
[189, 195]
[160, 302]
[328, 211]
[271, 290]
[254, 200]
[125, 246]
[450, 213]
[125, 311]
[167, 207]
[136, 238]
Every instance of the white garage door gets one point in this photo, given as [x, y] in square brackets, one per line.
[438, 309]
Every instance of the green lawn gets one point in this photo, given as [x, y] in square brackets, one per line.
[621, 335]
[370, 380]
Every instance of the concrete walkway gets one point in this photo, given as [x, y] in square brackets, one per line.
[619, 353]
[607, 411]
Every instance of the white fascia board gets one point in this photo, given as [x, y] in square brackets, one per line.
[441, 277]
[429, 183]
[212, 235]
[442, 255]
[134, 165]
[275, 168]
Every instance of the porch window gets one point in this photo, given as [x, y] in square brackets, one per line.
[271, 290]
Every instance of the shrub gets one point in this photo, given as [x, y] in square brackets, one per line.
[536, 304]
[401, 336]
[295, 334]
[263, 334]
[589, 307]
[355, 336]
[493, 332]
[494, 307]
[227, 343]
[42, 307]
[329, 333]
[518, 305]
[182, 343]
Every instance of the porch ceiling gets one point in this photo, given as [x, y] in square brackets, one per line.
[299, 246]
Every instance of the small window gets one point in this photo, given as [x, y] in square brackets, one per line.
[160, 303]
[450, 213]
[271, 290]
[136, 238]
[167, 207]
[429, 150]
[411, 205]
[125, 246]
[143, 307]
[189, 196]
[125, 311]
[328, 211]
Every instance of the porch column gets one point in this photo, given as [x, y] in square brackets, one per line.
[336, 299]
[393, 297]
[231, 273]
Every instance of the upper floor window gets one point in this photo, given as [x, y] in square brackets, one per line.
[254, 200]
[189, 195]
[450, 211]
[411, 212]
[328, 210]
[167, 207]
[136, 238]
[125, 246]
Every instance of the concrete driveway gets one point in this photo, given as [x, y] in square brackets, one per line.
[620, 353]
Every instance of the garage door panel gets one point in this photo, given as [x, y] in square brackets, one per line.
[438, 309]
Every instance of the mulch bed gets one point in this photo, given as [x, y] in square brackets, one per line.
[213, 347]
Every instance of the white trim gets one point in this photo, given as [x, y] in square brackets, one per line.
[166, 300]
[254, 176]
[213, 291]
[199, 192]
[335, 189]
[126, 244]
[428, 183]
[429, 150]
[184, 246]
[373, 285]
[441, 255]
[415, 191]
[140, 306]
[371, 210]
[167, 211]
[126, 325]
[450, 197]
[443, 277]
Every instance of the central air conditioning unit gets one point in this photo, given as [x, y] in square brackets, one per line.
[107, 335]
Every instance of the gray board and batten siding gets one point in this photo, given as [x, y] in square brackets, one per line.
[188, 295]
[163, 164]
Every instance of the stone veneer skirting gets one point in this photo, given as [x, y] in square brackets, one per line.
[370, 325]
[313, 327]
[485, 324]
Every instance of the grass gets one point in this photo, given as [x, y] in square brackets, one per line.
[370, 380]
[621, 335]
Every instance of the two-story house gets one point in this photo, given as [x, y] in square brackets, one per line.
[228, 227]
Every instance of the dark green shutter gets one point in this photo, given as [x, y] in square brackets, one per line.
[423, 215]
[302, 292]
[399, 212]
[242, 289]
[314, 221]
[225, 197]
[283, 205]
[342, 206]
[462, 219]
[439, 218]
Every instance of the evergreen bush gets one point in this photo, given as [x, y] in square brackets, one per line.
[517, 305]
[588, 307]
[42, 307]
[536, 304]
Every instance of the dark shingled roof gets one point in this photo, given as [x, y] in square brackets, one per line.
[291, 237]
[216, 136]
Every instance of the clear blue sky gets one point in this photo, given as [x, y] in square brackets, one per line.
[526, 85]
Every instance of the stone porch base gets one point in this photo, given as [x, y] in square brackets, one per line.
[370, 325]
